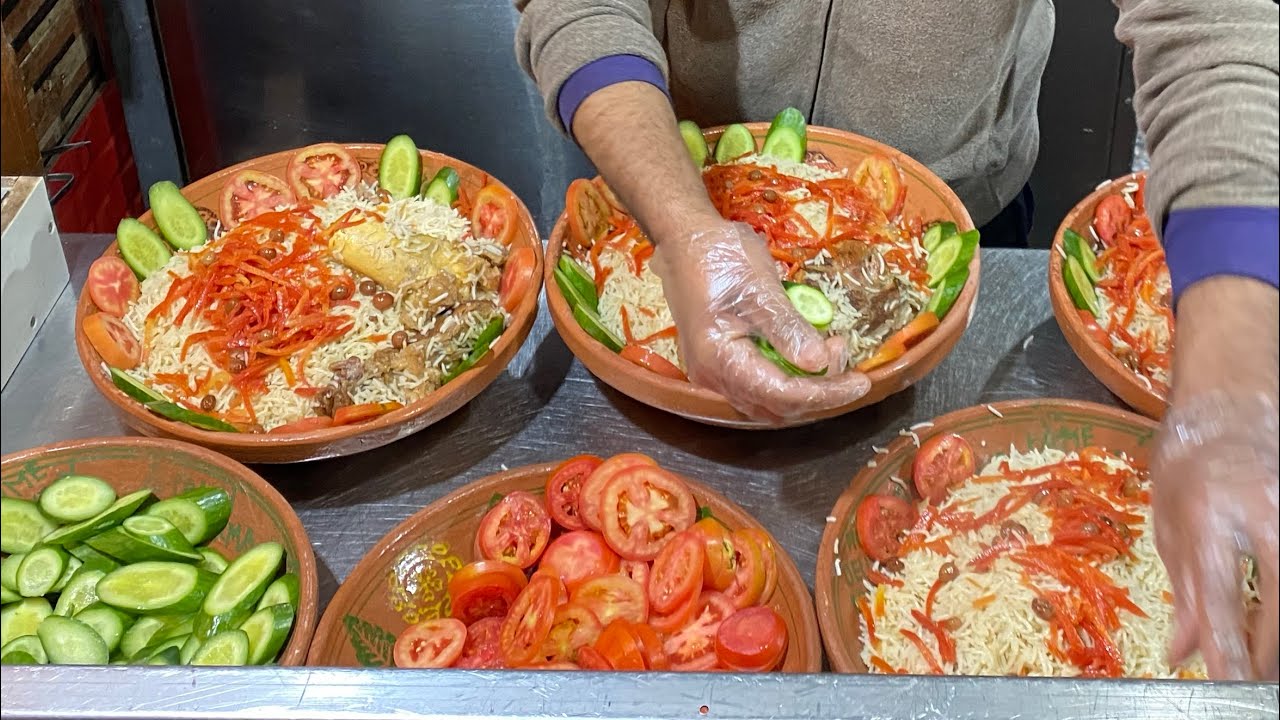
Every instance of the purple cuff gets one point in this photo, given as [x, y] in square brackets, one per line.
[1200, 243]
[601, 73]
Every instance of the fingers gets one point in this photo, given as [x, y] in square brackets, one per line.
[1266, 628]
[759, 389]
[1221, 605]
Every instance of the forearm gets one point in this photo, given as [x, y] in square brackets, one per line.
[1227, 337]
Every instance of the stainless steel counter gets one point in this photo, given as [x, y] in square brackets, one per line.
[548, 406]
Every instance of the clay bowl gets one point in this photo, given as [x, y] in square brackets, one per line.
[348, 439]
[1099, 359]
[258, 513]
[369, 610]
[927, 196]
[1064, 424]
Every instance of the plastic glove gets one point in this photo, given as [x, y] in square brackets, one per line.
[722, 287]
[1215, 501]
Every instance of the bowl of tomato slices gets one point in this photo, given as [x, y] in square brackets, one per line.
[591, 563]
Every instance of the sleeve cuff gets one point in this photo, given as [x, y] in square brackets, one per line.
[1201, 243]
[601, 73]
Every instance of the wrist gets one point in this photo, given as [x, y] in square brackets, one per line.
[1226, 338]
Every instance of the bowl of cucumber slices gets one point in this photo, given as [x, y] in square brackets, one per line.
[152, 552]
[870, 247]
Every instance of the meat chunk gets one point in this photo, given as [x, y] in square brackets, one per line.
[869, 286]
[346, 376]
[425, 299]
[386, 362]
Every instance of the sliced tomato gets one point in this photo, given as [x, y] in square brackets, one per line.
[881, 521]
[591, 495]
[588, 214]
[693, 647]
[637, 570]
[351, 414]
[752, 640]
[768, 560]
[882, 180]
[430, 644]
[527, 623]
[112, 340]
[517, 278]
[610, 597]
[655, 657]
[749, 571]
[677, 572]
[484, 589]
[1093, 329]
[651, 361]
[563, 597]
[619, 645]
[590, 658]
[577, 556]
[1111, 216]
[897, 344]
[720, 565]
[322, 170]
[515, 530]
[574, 627]
[942, 462]
[668, 623]
[112, 285]
[304, 425]
[250, 193]
[610, 197]
[565, 485]
[483, 650]
[642, 508]
[495, 214]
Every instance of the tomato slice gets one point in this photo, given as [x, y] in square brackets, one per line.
[615, 204]
[882, 180]
[643, 508]
[483, 650]
[651, 361]
[1111, 216]
[881, 521]
[677, 572]
[620, 646]
[565, 485]
[592, 488]
[1092, 328]
[577, 556]
[668, 623]
[588, 214]
[304, 425]
[749, 571]
[321, 170]
[517, 278]
[574, 626]
[351, 414]
[112, 285]
[515, 530]
[752, 640]
[768, 560]
[693, 647]
[430, 644]
[494, 214]
[590, 658]
[637, 570]
[250, 193]
[943, 461]
[527, 623]
[719, 566]
[655, 657]
[484, 589]
[112, 340]
[610, 597]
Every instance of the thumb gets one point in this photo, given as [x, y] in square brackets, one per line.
[798, 341]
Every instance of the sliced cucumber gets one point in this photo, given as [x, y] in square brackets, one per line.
[790, 118]
[22, 618]
[952, 253]
[199, 514]
[225, 648]
[8, 596]
[40, 570]
[169, 655]
[9, 571]
[92, 559]
[694, 141]
[107, 519]
[71, 642]
[139, 635]
[591, 322]
[785, 144]
[1079, 248]
[772, 355]
[160, 646]
[206, 626]
[76, 497]
[572, 293]
[581, 286]
[734, 142]
[73, 566]
[179, 221]
[175, 626]
[19, 657]
[213, 561]
[1079, 287]
[22, 525]
[267, 630]
[107, 621]
[157, 588]
[936, 233]
[238, 589]
[443, 188]
[134, 389]
[143, 538]
[189, 649]
[29, 644]
[282, 591]
[812, 304]
[140, 248]
[944, 296]
[174, 411]
[80, 593]
[400, 167]
[479, 348]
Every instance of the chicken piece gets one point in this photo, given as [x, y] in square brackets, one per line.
[873, 290]
[409, 359]
[370, 249]
[422, 300]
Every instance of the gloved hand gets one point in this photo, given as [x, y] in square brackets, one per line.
[722, 287]
[1214, 501]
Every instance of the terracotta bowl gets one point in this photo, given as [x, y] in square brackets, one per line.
[1099, 359]
[348, 439]
[1064, 424]
[927, 196]
[258, 513]
[376, 601]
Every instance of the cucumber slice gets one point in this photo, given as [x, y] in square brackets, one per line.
[9, 571]
[583, 286]
[213, 561]
[159, 532]
[479, 348]
[811, 304]
[108, 622]
[80, 593]
[790, 118]
[22, 525]
[157, 588]
[76, 497]
[8, 596]
[22, 618]
[734, 142]
[694, 142]
[1079, 248]
[73, 566]
[400, 167]
[946, 293]
[169, 655]
[283, 591]
[772, 355]
[785, 144]
[92, 559]
[951, 254]
[71, 642]
[139, 635]
[572, 293]
[443, 188]
[179, 221]
[176, 626]
[19, 657]
[159, 646]
[135, 389]
[140, 248]
[238, 589]
[199, 514]
[189, 649]
[143, 538]
[206, 626]
[1079, 287]
[107, 519]
[267, 630]
[40, 570]
[29, 644]
[225, 648]
[595, 328]
[174, 411]
[936, 233]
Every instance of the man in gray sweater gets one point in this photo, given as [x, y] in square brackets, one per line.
[955, 85]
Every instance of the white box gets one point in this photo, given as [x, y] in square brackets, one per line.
[34, 268]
